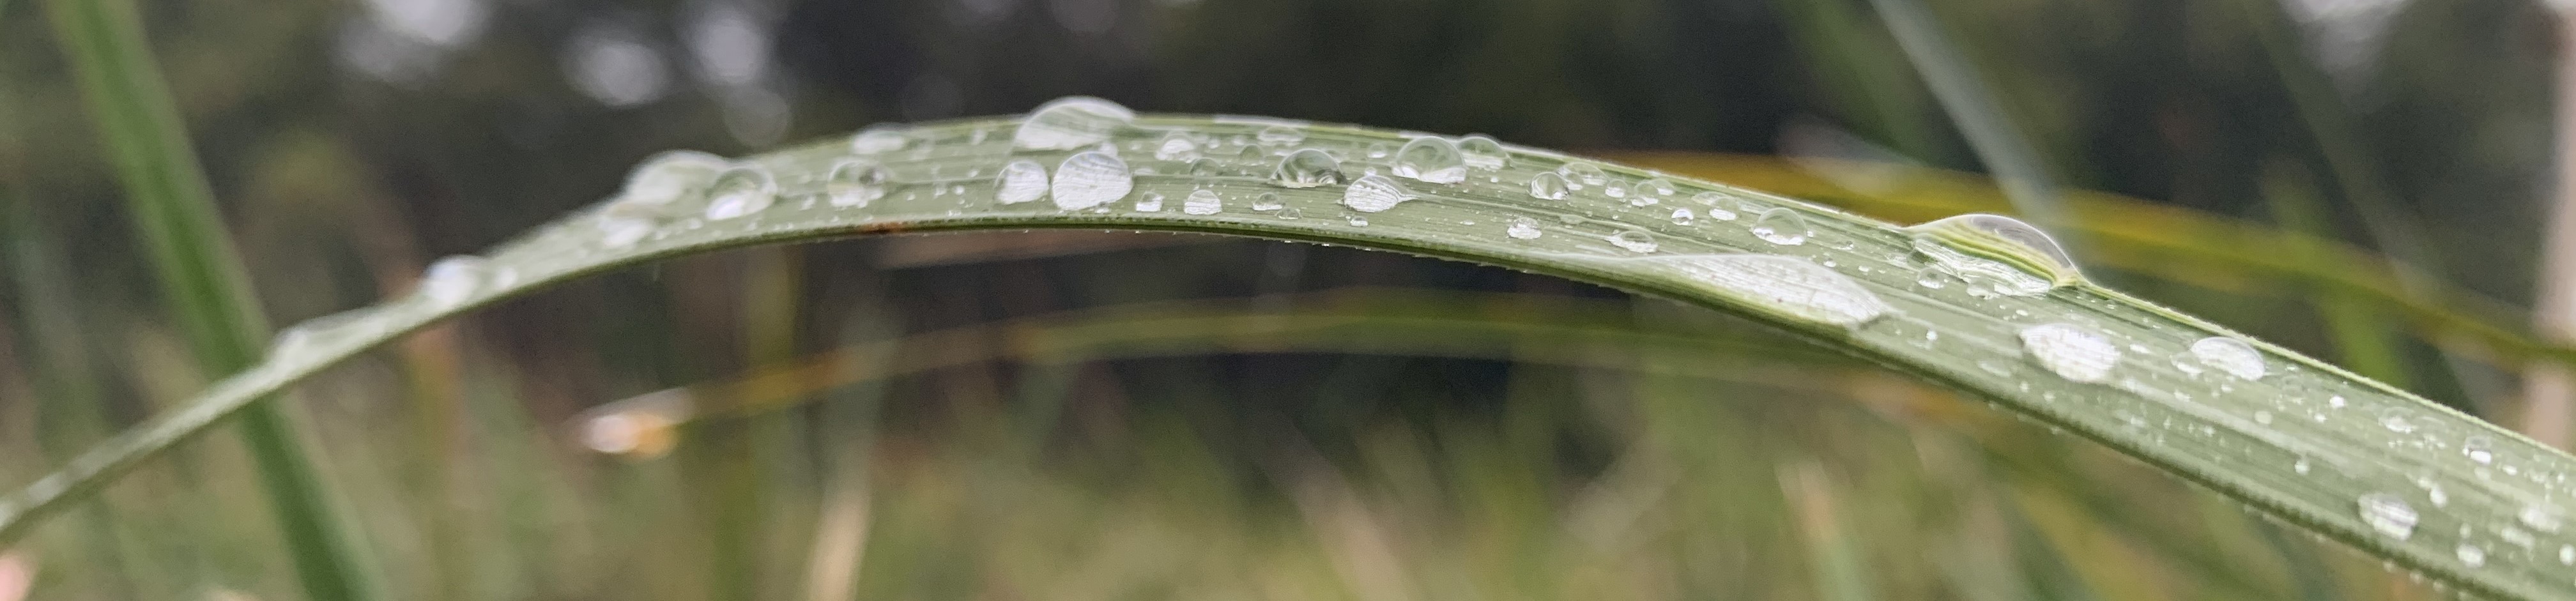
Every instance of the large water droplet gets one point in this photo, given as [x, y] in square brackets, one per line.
[1482, 152]
[668, 176]
[452, 280]
[1090, 179]
[1781, 226]
[1431, 159]
[1374, 193]
[2229, 355]
[1547, 186]
[2006, 240]
[1177, 146]
[1021, 181]
[1202, 202]
[880, 139]
[1791, 286]
[1522, 228]
[1306, 169]
[1633, 241]
[740, 191]
[1070, 122]
[2388, 514]
[2071, 352]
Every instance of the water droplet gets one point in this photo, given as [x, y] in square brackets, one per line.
[879, 139]
[1431, 159]
[2263, 417]
[1149, 202]
[1306, 169]
[1547, 186]
[1267, 201]
[623, 224]
[1932, 278]
[740, 191]
[1583, 174]
[1523, 228]
[2071, 352]
[2229, 355]
[1090, 179]
[452, 280]
[2301, 466]
[1617, 190]
[1374, 193]
[2472, 555]
[1202, 202]
[1634, 241]
[1791, 286]
[1781, 226]
[1684, 216]
[1379, 150]
[2479, 448]
[1482, 152]
[855, 183]
[1716, 203]
[1021, 181]
[1177, 146]
[2567, 555]
[1655, 187]
[668, 176]
[1070, 122]
[2387, 514]
[2542, 518]
[2335, 402]
[1281, 135]
[2022, 259]
[2397, 423]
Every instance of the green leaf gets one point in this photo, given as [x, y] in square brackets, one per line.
[1980, 305]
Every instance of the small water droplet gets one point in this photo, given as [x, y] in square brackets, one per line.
[1634, 241]
[2301, 466]
[2229, 355]
[1482, 152]
[1379, 150]
[2263, 417]
[1684, 216]
[1090, 179]
[1781, 226]
[623, 224]
[2479, 448]
[1522, 228]
[1431, 159]
[2472, 555]
[2567, 555]
[1281, 135]
[2542, 518]
[1715, 203]
[1792, 286]
[2071, 352]
[668, 176]
[2335, 402]
[1583, 174]
[451, 280]
[2397, 423]
[1655, 187]
[1933, 278]
[1021, 181]
[1149, 202]
[1070, 122]
[855, 183]
[1306, 168]
[1267, 201]
[1547, 186]
[740, 191]
[2387, 514]
[1177, 146]
[1202, 202]
[1374, 193]
[1617, 190]
[880, 139]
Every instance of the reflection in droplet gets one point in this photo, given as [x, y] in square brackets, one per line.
[1482, 152]
[1523, 228]
[1306, 168]
[1547, 186]
[1202, 202]
[1070, 122]
[1781, 226]
[2387, 514]
[1374, 193]
[855, 183]
[2071, 351]
[1090, 179]
[1634, 241]
[1021, 181]
[2229, 355]
[1791, 286]
[740, 191]
[1431, 159]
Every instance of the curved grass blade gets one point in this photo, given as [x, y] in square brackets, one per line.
[2428, 488]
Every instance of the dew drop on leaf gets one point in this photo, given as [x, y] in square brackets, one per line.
[2071, 351]
[1202, 202]
[1716, 205]
[2479, 448]
[1523, 228]
[1070, 122]
[1267, 201]
[452, 280]
[1374, 193]
[1090, 179]
[1306, 168]
[2542, 518]
[1684, 216]
[1583, 174]
[2229, 355]
[740, 191]
[1149, 202]
[1482, 152]
[669, 175]
[1431, 159]
[855, 183]
[1281, 135]
[1021, 181]
[1781, 226]
[2387, 514]
[1633, 241]
[2471, 555]
[1655, 188]
[1179, 147]
[880, 139]
[1793, 286]
[1547, 186]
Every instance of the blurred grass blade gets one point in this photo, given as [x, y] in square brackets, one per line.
[1999, 145]
[200, 274]
[2294, 438]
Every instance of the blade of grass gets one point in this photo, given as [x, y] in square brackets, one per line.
[199, 272]
[2305, 442]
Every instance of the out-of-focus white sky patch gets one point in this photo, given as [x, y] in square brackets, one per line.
[615, 67]
[2345, 35]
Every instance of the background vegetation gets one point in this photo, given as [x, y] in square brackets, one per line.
[349, 144]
